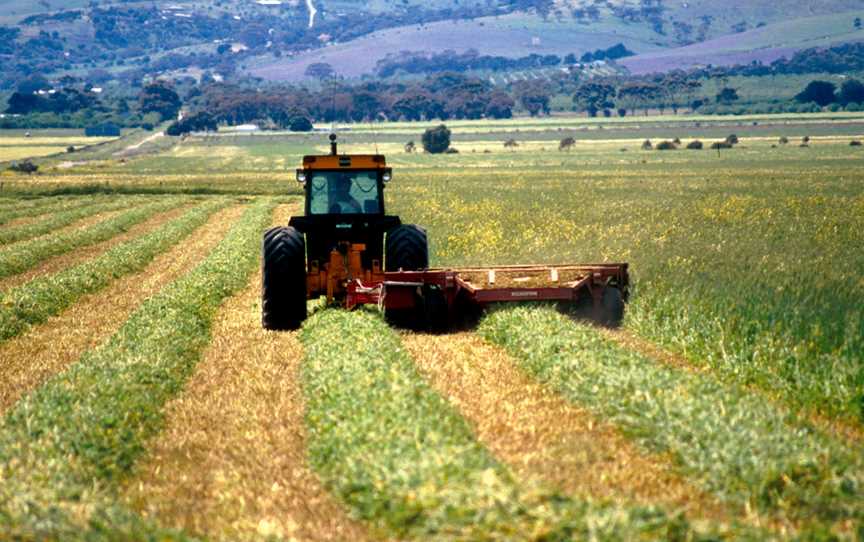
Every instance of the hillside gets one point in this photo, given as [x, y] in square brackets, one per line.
[277, 40]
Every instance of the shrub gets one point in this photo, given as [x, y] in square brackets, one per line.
[805, 139]
[732, 139]
[451, 150]
[300, 123]
[854, 143]
[25, 166]
[646, 145]
[410, 147]
[566, 144]
[677, 141]
[436, 140]
[70, 149]
[717, 145]
[695, 145]
[511, 143]
[784, 140]
[666, 146]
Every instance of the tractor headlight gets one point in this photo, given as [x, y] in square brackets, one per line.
[387, 175]
[301, 176]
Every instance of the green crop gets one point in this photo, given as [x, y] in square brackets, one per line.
[22, 256]
[64, 448]
[64, 218]
[34, 301]
[731, 441]
[402, 458]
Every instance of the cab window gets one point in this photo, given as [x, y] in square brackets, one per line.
[344, 192]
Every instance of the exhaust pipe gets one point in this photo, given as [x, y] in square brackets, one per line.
[333, 145]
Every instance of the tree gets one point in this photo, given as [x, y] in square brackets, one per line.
[851, 91]
[410, 147]
[500, 105]
[300, 123]
[436, 140]
[857, 23]
[594, 97]
[566, 144]
[159, 97]
[320, 70]
[726, 96]
[196, 122]
[534, 96]
[819, 92]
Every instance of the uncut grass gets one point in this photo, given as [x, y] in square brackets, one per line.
[80, 255]
[45, 350]
[231, 461]
[37, 300]
[545, 438]
[19, 257]
[65, 448]
[399, 455]
[731, 442]
[743, 263]
[78, 217]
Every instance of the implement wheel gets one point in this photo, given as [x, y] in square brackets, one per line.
[283, 284]
[611, 310]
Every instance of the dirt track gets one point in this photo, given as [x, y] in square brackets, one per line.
[541, 436]
[50, 347]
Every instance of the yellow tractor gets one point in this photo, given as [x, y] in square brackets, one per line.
[345, 247]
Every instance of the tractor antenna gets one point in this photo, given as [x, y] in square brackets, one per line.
[333, 144]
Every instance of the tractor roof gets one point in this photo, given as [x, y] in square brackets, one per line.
[344, 161]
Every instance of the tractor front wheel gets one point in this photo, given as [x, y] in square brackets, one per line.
[283, 284]
[406, 248]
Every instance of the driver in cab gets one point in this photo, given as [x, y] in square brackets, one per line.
[341, 200]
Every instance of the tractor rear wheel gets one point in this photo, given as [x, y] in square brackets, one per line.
[406, 248]
[283, 284]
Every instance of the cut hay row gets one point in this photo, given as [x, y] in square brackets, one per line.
[544, 437]
[77, 217]
[399, 455]
[81, 255]
[841, 428]
[22, 256]
[47, 349]
[731, 442]
[40, 206]
[43, 297]
[231, 462]
[66, 447]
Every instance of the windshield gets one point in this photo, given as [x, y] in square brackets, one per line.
[344, 192]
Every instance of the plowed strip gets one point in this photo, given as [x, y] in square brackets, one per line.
[543, 437]
[850, 432]
[75, 257]
[231, 462]
[29, 359]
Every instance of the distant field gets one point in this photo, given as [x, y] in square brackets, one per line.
[15, 146]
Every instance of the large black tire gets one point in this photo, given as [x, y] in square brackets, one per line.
[407, 248]
[283, 283]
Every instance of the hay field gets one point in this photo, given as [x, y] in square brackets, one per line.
[140, 398]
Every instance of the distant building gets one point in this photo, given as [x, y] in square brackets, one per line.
[107, 129]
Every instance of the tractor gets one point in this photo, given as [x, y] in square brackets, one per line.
[346, 248]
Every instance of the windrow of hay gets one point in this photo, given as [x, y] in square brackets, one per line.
[31, 358]
[69, 259]
[844, 429]
[543, 437]
[231, 461]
